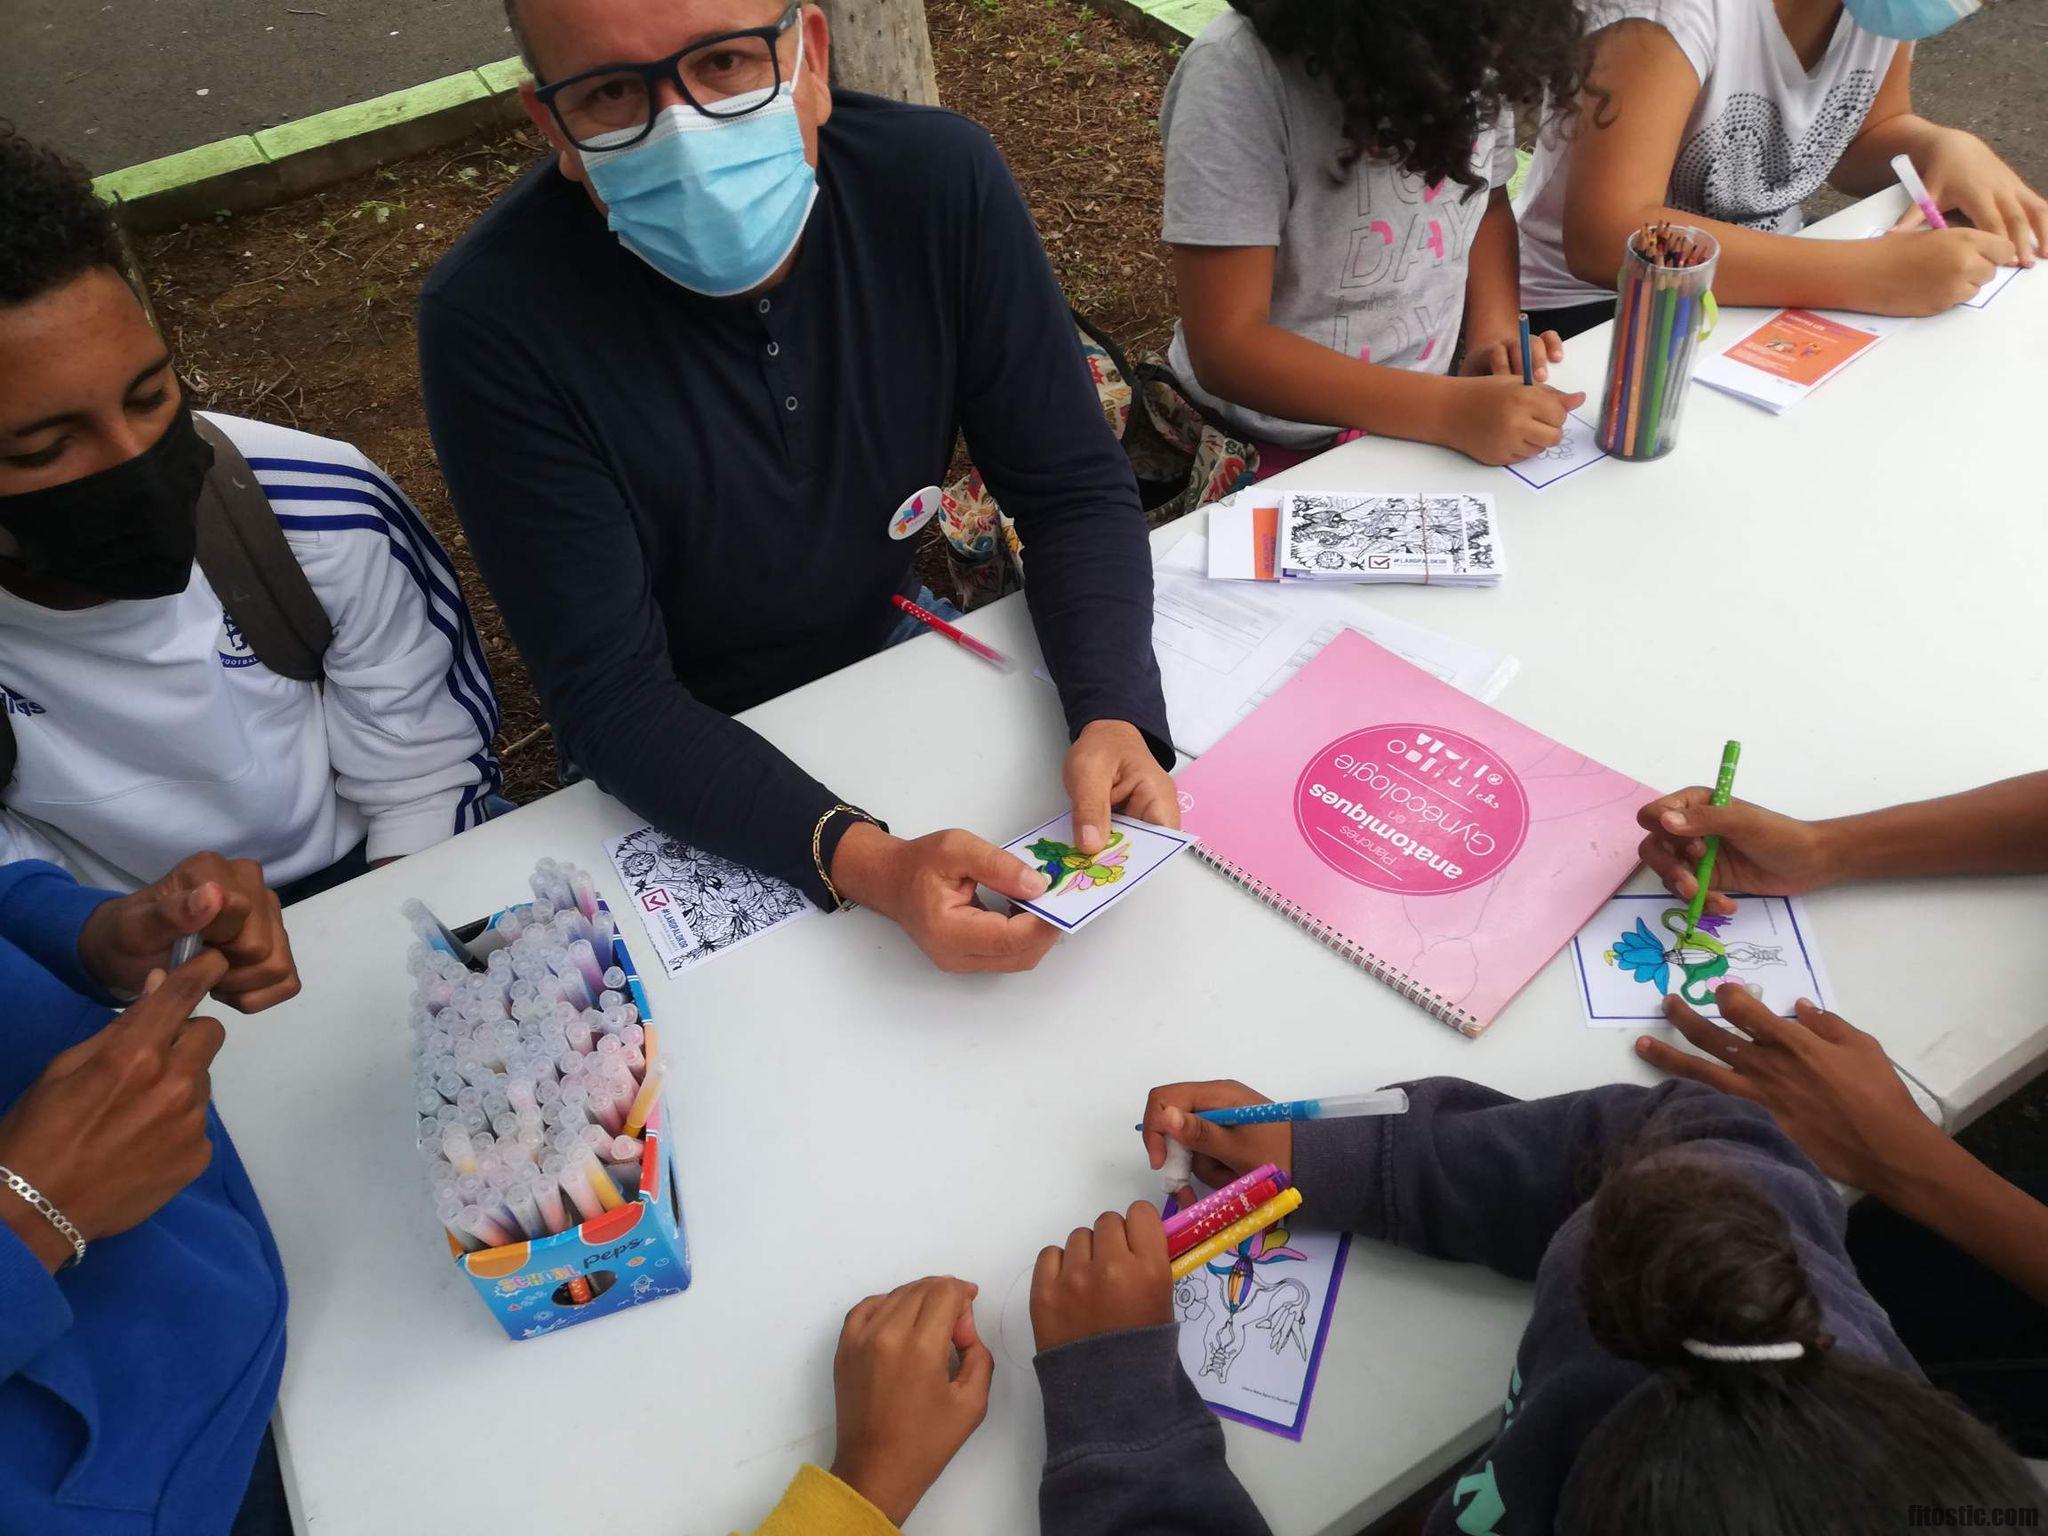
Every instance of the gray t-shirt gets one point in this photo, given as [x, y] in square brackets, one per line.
[1369, 260]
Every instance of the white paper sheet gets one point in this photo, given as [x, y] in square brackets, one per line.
[1084, 888]
[1576, 452]
[1231, 554]
[1253, 1323]
[1224, 647]
[1630, 957]
[696, 905]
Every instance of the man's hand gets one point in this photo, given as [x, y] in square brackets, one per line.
[116, 1125]
[902, 1411]
[1108, 1280]
[1826, 1083]
[1222, 1153]
[1963, 172]
[1109, 766]
[1762, 852]
[1503, 421]
[926, 887]
[1503, 358]
[226, 903]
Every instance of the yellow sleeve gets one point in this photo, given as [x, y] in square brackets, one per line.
[818, 1504]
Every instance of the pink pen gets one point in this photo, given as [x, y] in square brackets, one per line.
[1916, 189]
[959, 637]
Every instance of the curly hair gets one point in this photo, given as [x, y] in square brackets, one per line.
[1419, 80]
[52, 226]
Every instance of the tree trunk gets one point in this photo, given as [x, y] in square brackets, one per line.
[881, 46]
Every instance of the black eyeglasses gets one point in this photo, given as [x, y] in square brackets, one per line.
[614, 105]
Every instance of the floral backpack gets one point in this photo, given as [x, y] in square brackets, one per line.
[1181, 458]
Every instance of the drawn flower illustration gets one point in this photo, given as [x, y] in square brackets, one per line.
[1641, 953]
[1070, 869]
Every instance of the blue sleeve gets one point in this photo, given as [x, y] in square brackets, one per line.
[1474, 1175]
[33, 1311]
[1036, 431]
[552, 535]
[42, 913]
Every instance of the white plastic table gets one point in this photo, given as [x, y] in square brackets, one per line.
[1854, 590]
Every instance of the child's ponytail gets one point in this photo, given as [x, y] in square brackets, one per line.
[1754, 1423]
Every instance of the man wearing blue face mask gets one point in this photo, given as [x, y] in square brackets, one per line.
[683, 378]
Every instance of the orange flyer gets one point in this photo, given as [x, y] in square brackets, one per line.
[1800, 347]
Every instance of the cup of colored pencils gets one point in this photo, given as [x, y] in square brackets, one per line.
[1665, 305]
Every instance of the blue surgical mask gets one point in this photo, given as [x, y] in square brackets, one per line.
[1908, 20]
[713, 203]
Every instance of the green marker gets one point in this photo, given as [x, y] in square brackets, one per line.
[1724, 788]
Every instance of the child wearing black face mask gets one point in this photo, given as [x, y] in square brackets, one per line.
[141, 713]
[125, 532]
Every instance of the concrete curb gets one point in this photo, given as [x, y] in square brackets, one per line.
[257, 170]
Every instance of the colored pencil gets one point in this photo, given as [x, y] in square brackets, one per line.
[1646, 306]
[1660, 360]
[1528, 363]
[1616, 363]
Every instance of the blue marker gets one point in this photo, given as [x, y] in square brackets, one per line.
[1388, 1101]
[1528, 362]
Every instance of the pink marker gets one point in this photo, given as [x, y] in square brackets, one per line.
[1916, 189]
[959, 637]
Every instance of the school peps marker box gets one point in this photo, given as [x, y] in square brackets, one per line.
[508, 1013]
[634, 1254]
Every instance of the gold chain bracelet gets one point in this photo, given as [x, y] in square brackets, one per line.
[839, 903]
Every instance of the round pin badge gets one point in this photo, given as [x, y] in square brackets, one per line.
[915, 512]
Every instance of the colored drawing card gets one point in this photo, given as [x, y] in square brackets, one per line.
[1634, 954]
[1575, 452]
[1792, 354]
[1083, 888]
[1253, 1322]
[695, 904]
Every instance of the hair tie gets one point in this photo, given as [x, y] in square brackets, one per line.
[1741, 1354]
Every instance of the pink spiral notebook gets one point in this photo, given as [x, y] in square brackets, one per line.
[1430, 840]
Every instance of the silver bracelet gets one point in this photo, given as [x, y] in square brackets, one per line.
[41, 1202]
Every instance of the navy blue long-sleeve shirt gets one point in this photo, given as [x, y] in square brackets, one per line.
[135, 1387]
[681, 503]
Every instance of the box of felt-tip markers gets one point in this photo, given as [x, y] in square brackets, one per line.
[600, 1242]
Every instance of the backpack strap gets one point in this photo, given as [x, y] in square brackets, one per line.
[258, 579]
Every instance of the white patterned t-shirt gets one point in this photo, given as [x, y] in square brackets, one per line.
[1764, 134]
[1368, 260]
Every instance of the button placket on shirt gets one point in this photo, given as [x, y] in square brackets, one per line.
[780, 377]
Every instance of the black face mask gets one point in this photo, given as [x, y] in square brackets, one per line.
[126, 532]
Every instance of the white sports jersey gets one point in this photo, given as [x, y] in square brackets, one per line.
[147, 731]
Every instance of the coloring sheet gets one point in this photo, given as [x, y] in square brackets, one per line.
[1083, 888]
[1381, 536]
[1634, 954]
[695, 904]
[1253, 1322]
[1576, 452]
[1992, 288]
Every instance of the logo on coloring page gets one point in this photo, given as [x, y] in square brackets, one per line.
[233, 645]
[13, 703]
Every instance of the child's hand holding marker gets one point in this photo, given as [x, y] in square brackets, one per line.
[1108, 1279]
[903, 1411]
[1762, 852]
[1959, 170]
[1501, 420]
[1221, 1153]
[223, 902]
[1928, 272]
[116, 1125]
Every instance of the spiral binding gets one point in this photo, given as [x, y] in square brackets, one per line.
[1429, 1002]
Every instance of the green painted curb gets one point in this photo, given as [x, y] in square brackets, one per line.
[257, 170]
